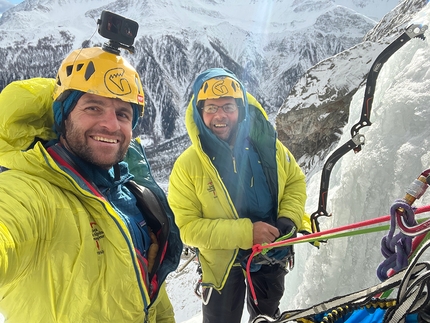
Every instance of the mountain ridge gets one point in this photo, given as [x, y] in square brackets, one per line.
[268, 45]
[325, 91]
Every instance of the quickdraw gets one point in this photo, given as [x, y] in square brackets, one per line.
[357, 140]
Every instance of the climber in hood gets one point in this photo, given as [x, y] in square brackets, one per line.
[236, 186]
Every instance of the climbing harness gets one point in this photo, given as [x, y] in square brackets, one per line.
[287, 263]
[357, 140]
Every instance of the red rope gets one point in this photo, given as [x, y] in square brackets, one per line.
[259, 248]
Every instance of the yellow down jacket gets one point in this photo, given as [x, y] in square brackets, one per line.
[203, 209]
[65, 255]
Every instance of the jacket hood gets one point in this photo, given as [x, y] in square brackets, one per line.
[26, 124]
[26, 116]
[194, 119]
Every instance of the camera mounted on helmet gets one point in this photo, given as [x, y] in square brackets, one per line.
[120, 32]
[100, 71]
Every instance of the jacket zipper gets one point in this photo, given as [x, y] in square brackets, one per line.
[129, 245]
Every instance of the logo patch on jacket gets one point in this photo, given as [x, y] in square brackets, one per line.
[97, 235]
[211, 188]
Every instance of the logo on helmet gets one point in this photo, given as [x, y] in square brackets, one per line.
[220, 89]
[116, 83]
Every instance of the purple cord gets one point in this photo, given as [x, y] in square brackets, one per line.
[396, 248]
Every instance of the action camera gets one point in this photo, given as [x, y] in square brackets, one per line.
[120, 31]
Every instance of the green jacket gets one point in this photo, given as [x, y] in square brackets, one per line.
[65, 254]
[203, 209]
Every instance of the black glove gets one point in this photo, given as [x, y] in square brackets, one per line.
[286, 226]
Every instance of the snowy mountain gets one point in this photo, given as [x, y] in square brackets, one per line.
[310, 120]
[269, 44]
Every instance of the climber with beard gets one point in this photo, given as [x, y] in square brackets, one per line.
[81, 238]
[236, 186]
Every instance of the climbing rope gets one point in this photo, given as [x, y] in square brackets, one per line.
[362, 227]
[413, 297]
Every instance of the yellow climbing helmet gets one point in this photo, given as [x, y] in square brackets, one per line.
[220, 87]
[93, 70]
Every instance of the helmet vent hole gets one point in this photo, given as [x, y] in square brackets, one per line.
[78, 68]
[89, 71]
[69, 70]
[233, 86]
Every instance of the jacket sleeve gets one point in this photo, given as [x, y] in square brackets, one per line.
[162, 310]
[204, 215]
[24, 229]
[292, 189]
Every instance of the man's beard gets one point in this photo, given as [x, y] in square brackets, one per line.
[76, 142]
[232, 135]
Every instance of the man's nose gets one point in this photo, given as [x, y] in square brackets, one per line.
[109, 120]
[220, 112]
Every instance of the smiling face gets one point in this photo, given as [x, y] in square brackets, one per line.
[99, 130]
[222, 124]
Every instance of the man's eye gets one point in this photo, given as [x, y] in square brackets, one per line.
[229, 108]
[211, 108]
[124, 115]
